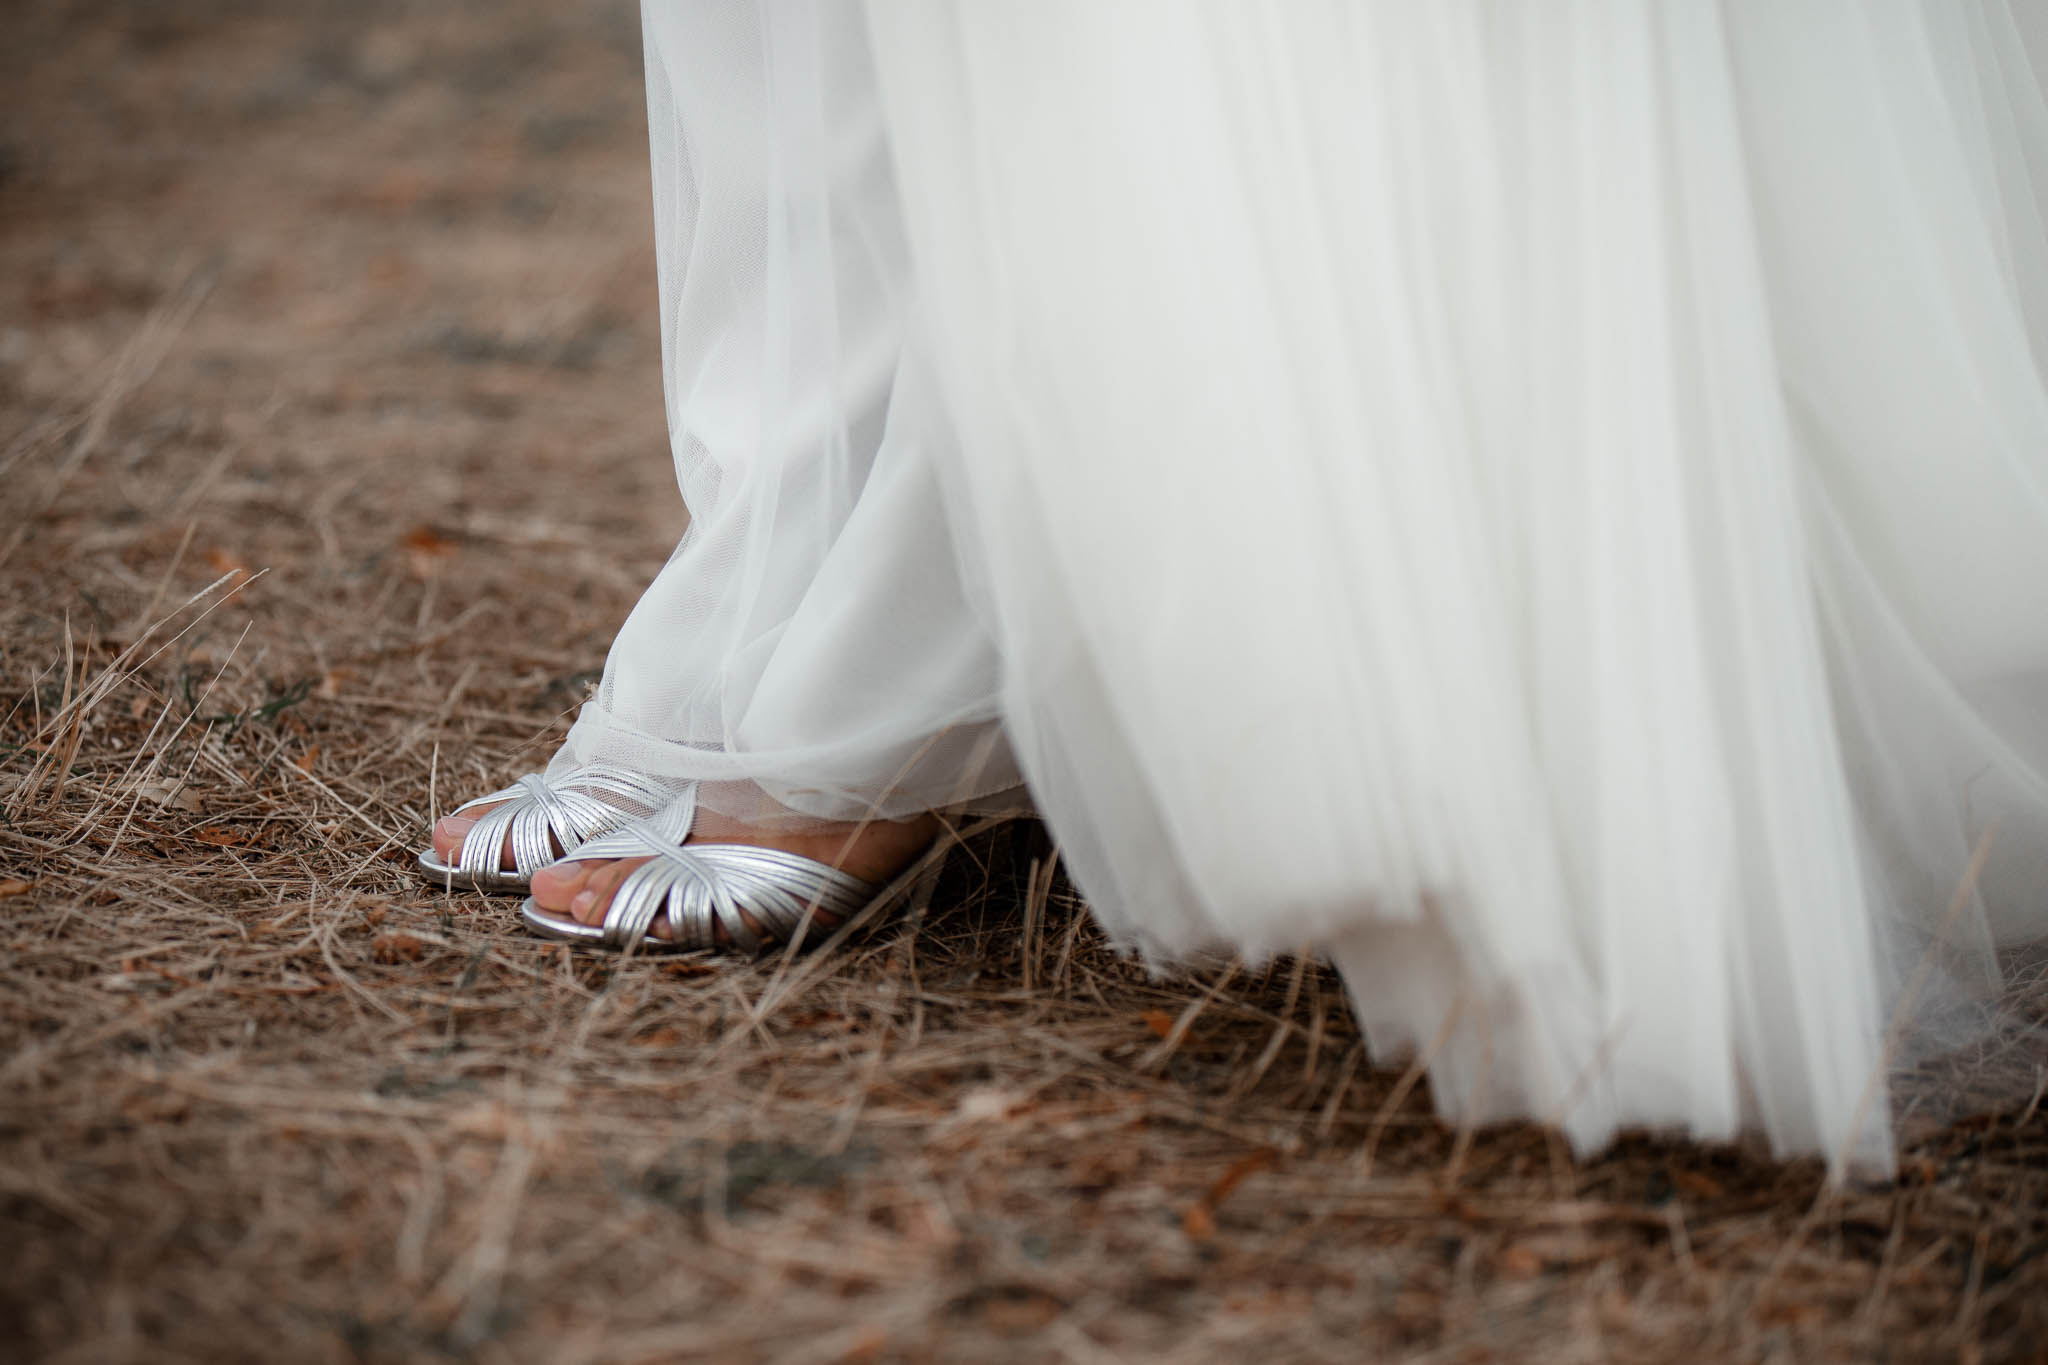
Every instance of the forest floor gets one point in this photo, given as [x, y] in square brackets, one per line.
[331, 453]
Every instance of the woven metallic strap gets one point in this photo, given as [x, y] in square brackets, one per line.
[703, 887]
[535, 814]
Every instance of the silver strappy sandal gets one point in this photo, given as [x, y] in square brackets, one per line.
[702, 888]
[536, 814]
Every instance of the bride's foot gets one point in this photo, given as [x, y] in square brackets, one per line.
[874, 852]
[451, 830]
[493, 843]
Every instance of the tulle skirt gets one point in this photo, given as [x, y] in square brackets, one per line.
[1546, 505]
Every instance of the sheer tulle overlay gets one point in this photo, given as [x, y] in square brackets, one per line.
[1544, 504]
[807, 652]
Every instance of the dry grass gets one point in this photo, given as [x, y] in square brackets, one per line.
[332, 445]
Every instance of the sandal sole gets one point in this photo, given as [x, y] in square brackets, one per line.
[439, 874]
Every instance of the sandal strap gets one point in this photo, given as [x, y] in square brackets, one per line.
[533, 814]
[704, 887]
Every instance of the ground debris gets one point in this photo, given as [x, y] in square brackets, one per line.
[329, 372]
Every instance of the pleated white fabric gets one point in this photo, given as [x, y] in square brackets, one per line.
[1545, 504]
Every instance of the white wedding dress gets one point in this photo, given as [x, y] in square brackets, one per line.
[1545, 504]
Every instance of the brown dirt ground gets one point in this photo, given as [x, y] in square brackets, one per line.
[333, 452]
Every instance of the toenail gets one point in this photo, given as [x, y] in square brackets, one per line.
[583, 902]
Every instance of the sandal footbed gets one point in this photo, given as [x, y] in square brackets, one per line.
[442, 874]
[561, 930]
[549, 926]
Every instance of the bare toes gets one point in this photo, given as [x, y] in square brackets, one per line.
[449, 832]
[589, 904]
[581, 890]
[555, 885]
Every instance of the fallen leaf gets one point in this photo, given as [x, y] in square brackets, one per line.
[1273, 1303]
[155, 1107]
[1235, 1176]
[425, 548]
[868, 1347]
[1010, 1313]
[1200, 1221]
[304, 762]
[427, 541]
[169, 792]
[389, 268]
[225, 562]
[397, 191]
[1564, 1250]
[1159, 1021]
[395, 948]
[661, 1037]
[220, 836]
[15, 886]
[985, 1102]
[1697, 1185]
[1791, 1313]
